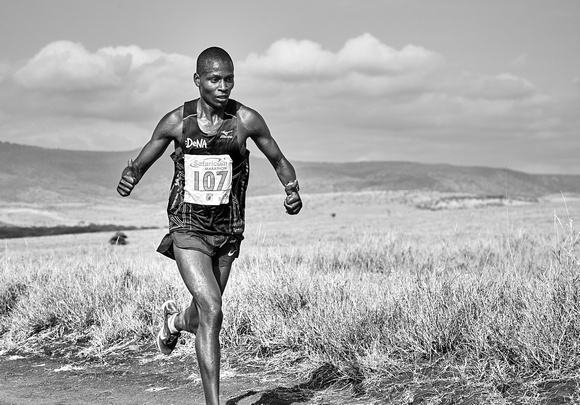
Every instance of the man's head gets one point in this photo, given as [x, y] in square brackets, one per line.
[208, 58]
[214, 76]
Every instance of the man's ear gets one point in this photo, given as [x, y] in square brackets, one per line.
[196, 79]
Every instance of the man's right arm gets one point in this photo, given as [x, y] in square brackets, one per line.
[168, 129]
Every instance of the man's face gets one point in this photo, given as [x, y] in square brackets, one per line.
[215, 83]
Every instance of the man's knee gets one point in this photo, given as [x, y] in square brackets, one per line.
[211, 313]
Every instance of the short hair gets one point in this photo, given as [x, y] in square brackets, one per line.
[206, 58]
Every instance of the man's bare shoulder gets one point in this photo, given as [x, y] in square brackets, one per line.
[244, 112]
[173, 117]
[171, 124]
[250, 119]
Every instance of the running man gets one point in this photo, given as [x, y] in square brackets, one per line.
[207, 202]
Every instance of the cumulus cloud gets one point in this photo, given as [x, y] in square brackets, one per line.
[65, 65]
[368, 84]
[293, 60]
[114, 83]
[68, 66]
[367, 55]
[110, 98]
[378, 85]
[364, 100]
[290, 59]
[409, 100]
[497, 87]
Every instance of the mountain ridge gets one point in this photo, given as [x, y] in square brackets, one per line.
[36, 174]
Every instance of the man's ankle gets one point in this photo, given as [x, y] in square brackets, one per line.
[171, 324]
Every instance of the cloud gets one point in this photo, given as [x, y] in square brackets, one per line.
[368, 85]
[379, 86]
[289, 59]
[107, 99]
[363, 100]
[114, 83]
[368, 99]
[502, 86]
[293, 60]
[69, 66]
[367, 55]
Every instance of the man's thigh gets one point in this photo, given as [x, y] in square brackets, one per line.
[222, 265]
[222, 262]
[194, 253]
[196, 269]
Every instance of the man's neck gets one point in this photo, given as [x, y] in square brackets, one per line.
[208, 112]
[209, 119]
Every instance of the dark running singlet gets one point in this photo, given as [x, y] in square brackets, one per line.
[208, 191]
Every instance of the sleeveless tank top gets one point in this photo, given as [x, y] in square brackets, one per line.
[208, 192]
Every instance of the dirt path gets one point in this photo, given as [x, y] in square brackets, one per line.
[151, 379]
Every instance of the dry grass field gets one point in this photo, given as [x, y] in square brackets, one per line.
[398, 304]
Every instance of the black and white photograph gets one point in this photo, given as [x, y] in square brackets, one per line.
[324, 202]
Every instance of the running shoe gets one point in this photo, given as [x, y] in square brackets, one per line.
[166, 341]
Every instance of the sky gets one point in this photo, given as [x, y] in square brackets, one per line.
[473, 83]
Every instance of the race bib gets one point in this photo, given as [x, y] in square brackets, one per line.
[208, 179]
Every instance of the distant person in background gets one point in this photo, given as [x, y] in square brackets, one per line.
[207, 201]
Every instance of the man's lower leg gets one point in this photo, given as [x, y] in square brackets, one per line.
[208, 357]
[188, 320]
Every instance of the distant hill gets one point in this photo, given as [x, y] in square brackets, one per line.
[34, 174]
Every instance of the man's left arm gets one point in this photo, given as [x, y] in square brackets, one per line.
[260, 134]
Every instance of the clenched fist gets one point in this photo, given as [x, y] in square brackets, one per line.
[129, 178]
[292, 203]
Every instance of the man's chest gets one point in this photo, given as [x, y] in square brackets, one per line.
[219, 139]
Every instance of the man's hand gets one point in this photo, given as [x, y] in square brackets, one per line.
[292, 203]
[129, 178]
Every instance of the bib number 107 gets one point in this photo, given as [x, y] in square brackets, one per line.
[208, 181]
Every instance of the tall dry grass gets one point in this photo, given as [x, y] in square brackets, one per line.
[496, 312]
[499, 315]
